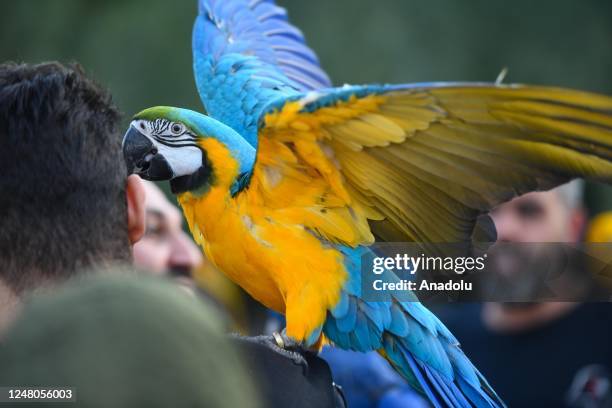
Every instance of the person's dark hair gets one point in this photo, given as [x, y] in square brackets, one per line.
[62, 175]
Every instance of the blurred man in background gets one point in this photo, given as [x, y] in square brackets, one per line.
[540, 217]
[534, 353]
[165, 249]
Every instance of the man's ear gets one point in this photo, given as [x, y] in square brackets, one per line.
[135, 196]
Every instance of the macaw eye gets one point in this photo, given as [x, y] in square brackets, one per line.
[177, 128]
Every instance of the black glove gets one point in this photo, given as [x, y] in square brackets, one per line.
[285, 382]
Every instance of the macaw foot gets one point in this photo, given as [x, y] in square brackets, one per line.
[283, 345]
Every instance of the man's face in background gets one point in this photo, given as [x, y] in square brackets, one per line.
[526, 271]
[539, 217]
[165, 247]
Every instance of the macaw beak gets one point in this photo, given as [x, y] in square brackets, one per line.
[142, 158]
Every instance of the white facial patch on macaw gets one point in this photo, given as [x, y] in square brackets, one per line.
[182, 160]
[174, 142]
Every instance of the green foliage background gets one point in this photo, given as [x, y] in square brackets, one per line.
[141, 49]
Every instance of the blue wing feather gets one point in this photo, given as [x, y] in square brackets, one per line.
[347, 322]
[247, 55]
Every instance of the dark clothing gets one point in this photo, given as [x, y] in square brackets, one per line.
[285, 384]
[535, 367]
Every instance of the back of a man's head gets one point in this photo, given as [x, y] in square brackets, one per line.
[62, 183]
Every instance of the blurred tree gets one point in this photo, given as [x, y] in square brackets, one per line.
[141, 49]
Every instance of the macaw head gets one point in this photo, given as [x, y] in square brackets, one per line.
[191, 150]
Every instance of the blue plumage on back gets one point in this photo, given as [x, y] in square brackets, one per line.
[247, 55]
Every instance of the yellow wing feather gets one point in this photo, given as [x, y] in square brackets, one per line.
[423, 164]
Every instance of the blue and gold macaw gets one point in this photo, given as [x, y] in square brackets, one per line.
[286, 180]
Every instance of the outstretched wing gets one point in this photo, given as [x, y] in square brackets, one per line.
[246, 54]
[421, 162]
[418, 162]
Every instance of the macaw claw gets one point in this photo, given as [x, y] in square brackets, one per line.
[283, 345]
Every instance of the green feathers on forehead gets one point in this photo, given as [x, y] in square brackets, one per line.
[163, 112]
[158, 112]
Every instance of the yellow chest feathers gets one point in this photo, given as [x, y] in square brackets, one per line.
[271, 260]
[274, 258]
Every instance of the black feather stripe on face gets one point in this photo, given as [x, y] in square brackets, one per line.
[171, 143]
[197, 183]
[159, 132]
[160, 125]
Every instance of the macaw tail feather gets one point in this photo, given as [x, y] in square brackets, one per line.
[414, 341]
[466, 388]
